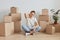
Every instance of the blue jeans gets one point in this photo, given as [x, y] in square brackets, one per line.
[27, 29]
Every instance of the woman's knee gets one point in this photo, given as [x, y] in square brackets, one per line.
[38, 28]
[25, 28]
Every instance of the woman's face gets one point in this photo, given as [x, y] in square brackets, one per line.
[31, 15]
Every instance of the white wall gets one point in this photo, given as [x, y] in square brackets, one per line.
[57, 4]
[27, 5]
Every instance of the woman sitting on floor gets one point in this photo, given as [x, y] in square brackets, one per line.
[32, 24]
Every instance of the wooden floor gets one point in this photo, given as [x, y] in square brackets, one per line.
[36, 36]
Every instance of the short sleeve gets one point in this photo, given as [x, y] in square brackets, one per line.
[35, 20]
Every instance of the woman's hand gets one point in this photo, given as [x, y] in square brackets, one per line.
[35, 24]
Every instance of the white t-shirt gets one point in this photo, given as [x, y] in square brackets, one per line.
[31, 21]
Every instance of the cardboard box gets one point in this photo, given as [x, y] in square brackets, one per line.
[50, 29]
[7, 19]
[43, 24]
[57, 27]
[17, 26]
[16, 17]
[43, 18]
[2, 29]
[6, 29]
[44, 11]
[9, 28]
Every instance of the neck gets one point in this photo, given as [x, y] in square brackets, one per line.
[30, 17]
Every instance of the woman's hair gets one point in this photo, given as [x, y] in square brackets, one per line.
[32, 11]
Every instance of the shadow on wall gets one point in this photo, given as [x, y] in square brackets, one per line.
[2, 13]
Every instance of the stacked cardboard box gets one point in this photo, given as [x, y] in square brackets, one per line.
[43, 24]
[16, 18]
[7, 26]
[45, 11]
[7, 19]
[43, 21]
[50, 29]
[44, 18]
[57, 27]
[17, 26]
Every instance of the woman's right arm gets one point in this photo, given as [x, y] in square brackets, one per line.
[25, 15]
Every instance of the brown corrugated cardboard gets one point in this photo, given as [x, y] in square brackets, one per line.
[57, 27]
[50, 29]
[7, 19]
[6, 29]
[16, 17]
[17, 26]
[44, 11]
[43, 24]
[43, 18]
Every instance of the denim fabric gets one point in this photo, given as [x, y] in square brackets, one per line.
[27, 28]
[38, 29]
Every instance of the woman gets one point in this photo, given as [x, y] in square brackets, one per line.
[32, 24]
